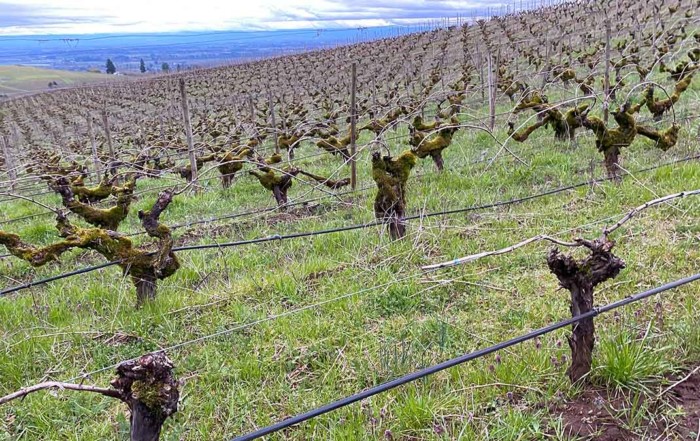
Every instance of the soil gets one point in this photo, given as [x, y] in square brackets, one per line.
[591, 416]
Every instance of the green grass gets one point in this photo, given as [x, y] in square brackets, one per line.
[263, 373]
[16, 80]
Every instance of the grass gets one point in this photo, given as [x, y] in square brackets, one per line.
[628, 362]
[397, 320]
[16, 80]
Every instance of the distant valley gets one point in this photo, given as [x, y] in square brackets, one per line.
[174, 51]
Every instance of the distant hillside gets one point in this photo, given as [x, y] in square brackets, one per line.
[16, 80]
[184, 49]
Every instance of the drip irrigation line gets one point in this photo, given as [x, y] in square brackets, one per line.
[288, 313]
[417, 375]
[522, 76]
[62, 276]
[442, 91]
[278, 237]
[250, 324]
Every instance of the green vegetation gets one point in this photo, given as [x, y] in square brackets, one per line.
[15, 80]
[110, 68]
[264, 331]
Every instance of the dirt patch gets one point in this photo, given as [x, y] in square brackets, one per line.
[687, 394]
[596, 414]
[589, 416]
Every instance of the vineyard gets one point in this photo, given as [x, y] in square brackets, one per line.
[200, 255]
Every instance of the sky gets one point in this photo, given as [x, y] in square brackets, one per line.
[34, 17]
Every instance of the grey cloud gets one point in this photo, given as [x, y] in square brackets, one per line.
[386, 10]
[333, 13]
[19, 15]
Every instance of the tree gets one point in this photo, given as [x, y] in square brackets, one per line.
[111, 68]
[142, 66]
[165, 67]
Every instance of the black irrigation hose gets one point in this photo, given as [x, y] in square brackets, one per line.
[151, 190]
[278, 237]
[459, 360]
[58, 277]
[546, 193]
[159, 175]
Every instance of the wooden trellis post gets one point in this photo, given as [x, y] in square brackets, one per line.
[272, 118]
[9, 161]
[492, 92]
[606, 102]
[188, 134]
[353, 124]
[108, 136]
[93, 145]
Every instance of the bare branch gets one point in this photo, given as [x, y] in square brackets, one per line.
[473, 257]
[58, 385]
[576, 243]
[633, 212]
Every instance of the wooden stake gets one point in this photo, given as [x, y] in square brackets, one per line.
[481, 73]
[251, 108]
[547, 64]
[93, 145]
[108, 135]
[188, 134]
[272, 118]
[606, 102]
[9, 161]
[492, 93]
[353, 123]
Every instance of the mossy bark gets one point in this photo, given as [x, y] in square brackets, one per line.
[664, 139]
[142, 265]
[330, 183]
[564, 125]
[278, 183]
[109, 218]
[145, 289]
[611, 141]
[230, 164]
[150, 390]
[434, 146]
[611, 158]
[186, 171]
[659, 107]
[580, 277]
[391, 175]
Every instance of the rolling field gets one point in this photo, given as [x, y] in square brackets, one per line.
[283, 309]
[17, 80]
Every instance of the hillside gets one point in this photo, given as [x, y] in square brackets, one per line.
[511, 173]
[18, 80]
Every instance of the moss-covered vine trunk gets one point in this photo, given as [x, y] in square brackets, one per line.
[438, 160]
[391, 175]
[148, 386]
[611, 160]
[146, 288]
[580, 279]
[144, 266]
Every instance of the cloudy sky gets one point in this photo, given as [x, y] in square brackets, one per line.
[19, 17]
